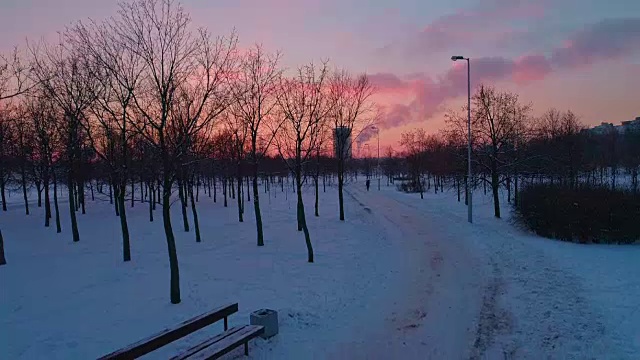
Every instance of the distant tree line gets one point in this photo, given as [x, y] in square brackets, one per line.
[511, 149]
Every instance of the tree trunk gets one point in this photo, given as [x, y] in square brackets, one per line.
[47, 202]
[256, 204]
[301, 216]
[239, 197]
[340, 188]
[198, 189]
[152, 200]
[72, 212]
[248, 192]
[39, 189]
[154, 190]
[316, 204]
[224, 190]
[126, 247]
[133, 191]
[324, 183]
[55, 202]
[75, 192]
[194, 212]
[495, 187]
[81, 196]
[171, 241]
[457, 181]
[298, 217]
[2, 193]
[233, 188]
[215, 190]
[111, 194]
[515, 191]
[3, 260]
[24, 189]
[317, 180]
[117, 196]
[183, 205]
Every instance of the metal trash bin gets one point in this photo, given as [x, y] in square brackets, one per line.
[267, 318]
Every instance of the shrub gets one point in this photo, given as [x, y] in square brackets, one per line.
[410, 186]
[582, 214]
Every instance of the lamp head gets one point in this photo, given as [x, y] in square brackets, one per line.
[458, 57]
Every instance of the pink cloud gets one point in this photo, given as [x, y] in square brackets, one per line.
[531, 68]
[605, 40]
[609, 39]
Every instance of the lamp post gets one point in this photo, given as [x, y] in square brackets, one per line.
[377, 130]
[367, 166]
[469, 188]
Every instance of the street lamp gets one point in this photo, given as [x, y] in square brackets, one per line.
[377, 130]
[367, 155]
[469, 189]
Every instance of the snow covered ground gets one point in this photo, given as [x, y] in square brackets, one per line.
[62, 300]
[402, 278]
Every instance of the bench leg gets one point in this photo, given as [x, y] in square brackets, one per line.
[246, 348]
[226, 325]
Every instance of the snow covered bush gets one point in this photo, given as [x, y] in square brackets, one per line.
[580, 214]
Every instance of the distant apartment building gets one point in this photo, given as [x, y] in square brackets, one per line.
[631, 124]
[605, 127]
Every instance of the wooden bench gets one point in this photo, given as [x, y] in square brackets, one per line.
[209, 349]
[222, 343]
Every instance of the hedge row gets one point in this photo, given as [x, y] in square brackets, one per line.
[582, 214]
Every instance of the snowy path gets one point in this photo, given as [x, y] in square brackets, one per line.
[431, 315]
[488, 290]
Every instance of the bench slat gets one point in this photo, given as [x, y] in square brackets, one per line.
[169, 335]
[222, 343]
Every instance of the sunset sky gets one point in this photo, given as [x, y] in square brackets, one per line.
[581, 55]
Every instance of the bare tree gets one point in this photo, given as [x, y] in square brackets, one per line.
[24, 148]
[14, 75]
[254, 93]
[7, 139]
[179, 66]
[415, 146]
[350, 110]
[560, 134]
[301, 100]
[497, 118]
[237, 128]
[43, 117]
[71, 83]
[120, 72]
[321, 145]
